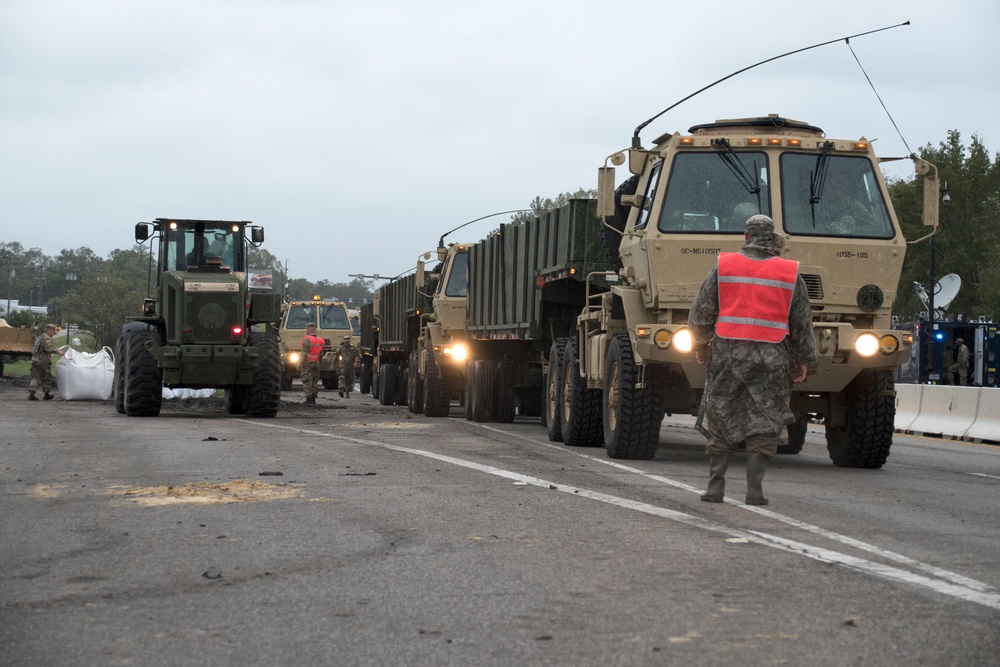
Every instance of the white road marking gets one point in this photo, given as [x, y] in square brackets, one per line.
[954, 585]
[982, 474]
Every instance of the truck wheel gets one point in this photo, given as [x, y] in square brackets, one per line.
[437, 397]
[553, 389]
[482, 390]
[470, 385]
[236, 399]
[401, 375]
[505, 397]
[143, 377]
[414, 386]
[387, 383]
[264, 393]
[580, 411]
[286, 382]
[329, 384]
[632, 416]
[118, 388]
[366, 379]
[609, 239]
[865, 440]
[796, 437]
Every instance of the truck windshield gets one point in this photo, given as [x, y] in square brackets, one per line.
[458, 278]
[850, 203]
[204, 245]
[333, 317]
[710, 192]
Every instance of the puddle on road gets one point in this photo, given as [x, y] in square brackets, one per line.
[206, 493]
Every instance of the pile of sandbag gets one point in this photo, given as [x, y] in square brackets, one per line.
[85, 376]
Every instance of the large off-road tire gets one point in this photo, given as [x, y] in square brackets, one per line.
[865, 440]
[415, 385]
[470, 385]
[387, 384]
[609, 239]
[552, 388]
[143, 378]
[118, 388]
[330, 383]
[402, 373]
[286, 382]
[482, 390]
[264, 394]
[504, 394]
[796, 437]
[632, 416]
[236, 398]
[580, 409]
[437, 395]
[366, 378]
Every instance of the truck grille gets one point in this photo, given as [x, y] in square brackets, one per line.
[814, 286]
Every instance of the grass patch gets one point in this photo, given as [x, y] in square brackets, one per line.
[17, 367]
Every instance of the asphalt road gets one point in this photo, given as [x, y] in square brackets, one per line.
[354, 534]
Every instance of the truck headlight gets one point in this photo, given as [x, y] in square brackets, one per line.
[683, 341]
[459, 352]
[867, 345]
[293, 358]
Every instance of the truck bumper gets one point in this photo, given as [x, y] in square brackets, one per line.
[208, 365]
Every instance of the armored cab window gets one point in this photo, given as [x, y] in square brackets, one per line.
[458, 278]
[333, 317]
[647, 200]
[715, 192]
[301, 316]
[833, 195]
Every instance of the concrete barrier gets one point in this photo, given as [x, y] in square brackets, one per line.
[987, 424]
[947, 410]
[907, 405]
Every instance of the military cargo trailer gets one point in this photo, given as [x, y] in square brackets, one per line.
[527, 285]
[367, 345]
[398, 306]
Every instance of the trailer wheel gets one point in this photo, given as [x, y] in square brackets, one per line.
[414, 386]
[505, 397]
[329, 383]
[118, 388]
[437, 398]
[553, 389]
[632, 416]
[609, 239]
[796, 437]
[236, 399]
[366, 378]
[387, 384]
[580, 413]
[482, 390]
[864, 441]
[402, 373]
[264, 392]
[143, 377]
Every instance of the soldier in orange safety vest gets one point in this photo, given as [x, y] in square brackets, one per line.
[753, 327]
[312, 351]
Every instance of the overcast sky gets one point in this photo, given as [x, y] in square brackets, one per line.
[358, 132]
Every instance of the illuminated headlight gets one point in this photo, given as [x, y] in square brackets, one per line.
[293, 358]
[458, 352]
[662, 339]
[867, 345]
[683, 341]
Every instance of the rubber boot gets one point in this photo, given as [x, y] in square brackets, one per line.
[756, 465]
[31, 395]
[341, 392]
[48, 396]
[310, 400]
[717, 482]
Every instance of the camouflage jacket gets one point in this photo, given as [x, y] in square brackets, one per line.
[749, 383]
[43, 349]
[347, 355]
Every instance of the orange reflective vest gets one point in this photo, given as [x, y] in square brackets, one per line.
[315, 347]
[755, 296]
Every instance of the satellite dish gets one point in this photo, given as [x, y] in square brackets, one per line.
[947, 290]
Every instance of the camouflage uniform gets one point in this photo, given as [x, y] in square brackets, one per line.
[961, 365]
[347, 359]
[309, 370]
[41, 364]
[747, 391]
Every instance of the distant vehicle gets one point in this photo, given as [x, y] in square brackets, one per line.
[332, 324]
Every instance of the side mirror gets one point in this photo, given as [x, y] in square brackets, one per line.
[421, 278]
[932, 191]
[141, 231]
[605, 192]
[257, 235]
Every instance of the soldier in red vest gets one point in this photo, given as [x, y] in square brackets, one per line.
[753, 328]
[312, 351]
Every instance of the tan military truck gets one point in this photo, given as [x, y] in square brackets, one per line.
[332, 324]
[687, 200]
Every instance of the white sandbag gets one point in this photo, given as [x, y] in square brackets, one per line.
[85, 376]
[167, 393]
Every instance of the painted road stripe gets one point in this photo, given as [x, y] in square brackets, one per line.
[974, 591]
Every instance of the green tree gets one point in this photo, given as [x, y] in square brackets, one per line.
[969, 237]
[88, 304]
[539, 206]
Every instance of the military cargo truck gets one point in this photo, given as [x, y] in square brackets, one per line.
[332, 324]
[202, 328]
[687, 200]
[397, 309]
[367, 345]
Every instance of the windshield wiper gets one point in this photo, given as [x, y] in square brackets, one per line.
[817, 179]
[750, 181]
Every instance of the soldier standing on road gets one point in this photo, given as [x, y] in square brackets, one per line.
[312, 351]
[41, 364]
[961, 365]
[753, 328]
[347, 358]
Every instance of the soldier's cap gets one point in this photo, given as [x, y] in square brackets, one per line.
[310, 326]
[959, 340]
[347, 338]
[760, 226]
[50, 326]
